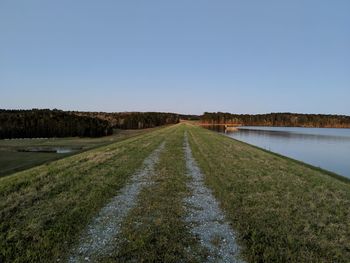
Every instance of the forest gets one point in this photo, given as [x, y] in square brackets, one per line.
[57, 123]
[190, 117]
[133, 120]
[278, 119]
[46, 123]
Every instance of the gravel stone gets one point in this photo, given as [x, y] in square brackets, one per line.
[205, 217]
[98, 239]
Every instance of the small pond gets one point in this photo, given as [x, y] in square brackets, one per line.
[59, 150]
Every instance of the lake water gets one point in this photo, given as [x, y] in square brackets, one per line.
[327, 148]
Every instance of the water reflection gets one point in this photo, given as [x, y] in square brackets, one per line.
[323, 147]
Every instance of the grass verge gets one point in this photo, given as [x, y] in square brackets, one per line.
[283, 211]
[43, 210]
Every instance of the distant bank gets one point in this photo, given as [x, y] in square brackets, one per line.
[277, 119]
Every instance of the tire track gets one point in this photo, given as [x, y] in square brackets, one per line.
[97, 241]
[205, 217]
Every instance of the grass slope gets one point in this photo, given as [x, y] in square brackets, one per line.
[12, 160]
[43, 210]
[282, 210]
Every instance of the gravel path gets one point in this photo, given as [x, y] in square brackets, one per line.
[205, 217]
[104, 228]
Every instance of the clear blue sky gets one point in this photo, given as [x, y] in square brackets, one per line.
[185, 56]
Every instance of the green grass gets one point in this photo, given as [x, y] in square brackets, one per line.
[154, 231]
[283, 211]
[43, 210]
[11, 160]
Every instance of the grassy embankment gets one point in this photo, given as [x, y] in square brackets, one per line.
[283, 211]
[154, 231]
[12, 160]
[43, 210]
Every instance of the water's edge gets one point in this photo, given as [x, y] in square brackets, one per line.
[335, 175]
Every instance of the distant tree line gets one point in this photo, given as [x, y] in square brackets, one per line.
[278, 119]
[49, 123]
[133, 120]
[189, 117]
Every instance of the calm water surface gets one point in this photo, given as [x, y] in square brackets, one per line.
[322, 147]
